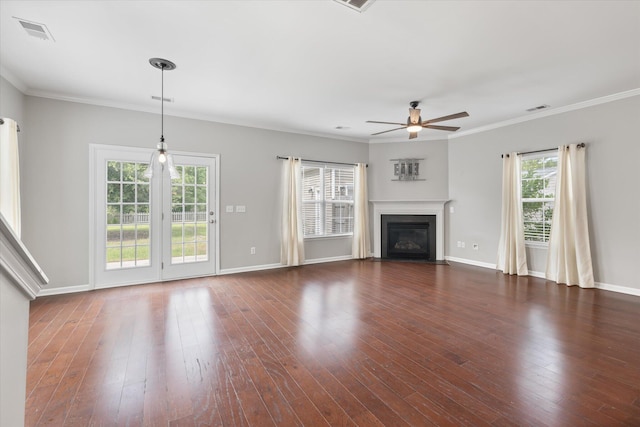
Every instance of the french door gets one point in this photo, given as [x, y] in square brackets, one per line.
[189, 219]
[148, 230]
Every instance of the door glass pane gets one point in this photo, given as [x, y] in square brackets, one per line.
[127, 215]
[189, 215]
[128, 193]
[114, 193]
[189, 191]
[142, 193]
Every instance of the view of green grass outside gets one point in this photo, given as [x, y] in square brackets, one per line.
[195, 236]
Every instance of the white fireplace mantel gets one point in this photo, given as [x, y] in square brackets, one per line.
[408, 207]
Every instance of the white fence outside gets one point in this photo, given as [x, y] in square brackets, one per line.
[143, 218]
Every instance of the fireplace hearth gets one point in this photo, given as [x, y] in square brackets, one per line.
[410, 237]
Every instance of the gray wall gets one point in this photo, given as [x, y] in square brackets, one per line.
[613, 149]
[12, 105]
[54, 154]
[433, 170]
[55, 175]
[12, 101]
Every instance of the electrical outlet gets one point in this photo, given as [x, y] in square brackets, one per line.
[462, 245]
[229, 208]
[459, 244]
[253, 250]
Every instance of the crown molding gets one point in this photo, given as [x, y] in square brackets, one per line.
[11, 78]
[183, 114]
[551, 112]
[15, 81]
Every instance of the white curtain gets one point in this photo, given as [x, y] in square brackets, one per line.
[569, 254]
[512, 258]
[292, 249]
[361, 240]
[10, 174]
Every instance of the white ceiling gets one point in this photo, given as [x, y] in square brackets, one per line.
[310, 66]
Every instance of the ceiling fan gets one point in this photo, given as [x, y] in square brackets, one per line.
[415, 123]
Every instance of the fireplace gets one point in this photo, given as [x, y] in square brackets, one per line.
[431, 207]
[408, 237]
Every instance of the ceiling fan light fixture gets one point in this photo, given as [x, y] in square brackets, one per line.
[415, 123]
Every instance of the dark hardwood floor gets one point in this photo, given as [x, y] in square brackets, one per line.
[342, 344]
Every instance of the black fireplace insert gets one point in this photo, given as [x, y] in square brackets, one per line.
[411, 237]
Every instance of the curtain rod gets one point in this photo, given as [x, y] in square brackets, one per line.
[581, 145]
[320, 161]
[17, 125]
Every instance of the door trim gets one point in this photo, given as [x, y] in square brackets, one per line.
[216, 157]
[189, 269]
[94, 149]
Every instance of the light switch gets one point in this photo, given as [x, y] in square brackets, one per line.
[229, 208]
[241, 208]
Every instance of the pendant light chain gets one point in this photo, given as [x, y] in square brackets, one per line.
[162, 106]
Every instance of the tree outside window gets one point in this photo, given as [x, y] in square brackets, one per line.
[538, 196]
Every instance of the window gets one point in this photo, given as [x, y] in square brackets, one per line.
[327, 200]
[127, 215]
[538, 195]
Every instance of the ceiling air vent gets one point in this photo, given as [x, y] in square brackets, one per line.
[359, 5]
[34, 29]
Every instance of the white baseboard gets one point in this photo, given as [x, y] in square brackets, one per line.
[539, 274]
[471, 262]
[84, 288]
[621, 289]
[249, 268]
[64, 290]
[330, 259]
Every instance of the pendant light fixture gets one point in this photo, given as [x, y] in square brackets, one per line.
[161, 154]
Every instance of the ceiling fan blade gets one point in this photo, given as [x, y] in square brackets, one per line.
[413, 135]
[449, 128]
[390, 130]
[386, 123]
[449, 117]
[414, 115]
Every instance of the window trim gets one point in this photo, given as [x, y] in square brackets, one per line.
[323, 203]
